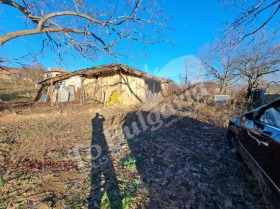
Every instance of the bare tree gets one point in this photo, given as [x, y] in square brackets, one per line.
[252, 16]
[184, 78]
[33, 73]
[218, 61]
[86, 26]
[256, 62]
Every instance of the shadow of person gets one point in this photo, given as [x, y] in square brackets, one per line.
[103, 177]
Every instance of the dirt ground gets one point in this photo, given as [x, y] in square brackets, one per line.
[152, 156]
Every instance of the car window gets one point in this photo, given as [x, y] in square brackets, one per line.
[271, 116]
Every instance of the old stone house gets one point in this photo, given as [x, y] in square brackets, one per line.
[100, 83]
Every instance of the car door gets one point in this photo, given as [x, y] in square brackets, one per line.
[247, 140]
[267, 135]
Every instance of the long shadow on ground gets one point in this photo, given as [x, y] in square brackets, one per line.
[166, 161]
[185, 163]
[103, 178]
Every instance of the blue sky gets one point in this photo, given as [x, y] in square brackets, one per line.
[195, 24]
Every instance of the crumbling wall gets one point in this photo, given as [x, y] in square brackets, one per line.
[131, 89]
[100, 87]
[165, 89]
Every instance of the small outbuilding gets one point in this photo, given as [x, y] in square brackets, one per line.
[53, 72]
[105, 83]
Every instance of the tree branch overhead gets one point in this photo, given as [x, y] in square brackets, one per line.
[87, 25]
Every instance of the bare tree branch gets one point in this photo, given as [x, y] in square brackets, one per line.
[264, 24]
[218, 61]
[22, 9]
[87, 27]
[253, 16]
[255, 62]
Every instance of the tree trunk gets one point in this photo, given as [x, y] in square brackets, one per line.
[249, 93]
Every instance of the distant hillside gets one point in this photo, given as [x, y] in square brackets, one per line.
[32, 74]
[273, 89]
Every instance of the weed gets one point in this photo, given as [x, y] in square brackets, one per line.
[19, 198]
[77, 204]
[129, 163]
[2, 184]
[3, 200]
[127, 202]
[124, 142]
[8, 140]
[128, 191]
[122, 178]
[2, 205]
[15, 187]
[127, 194]
[105, 202]
[137, 182]
[24, 134]
[25, 181]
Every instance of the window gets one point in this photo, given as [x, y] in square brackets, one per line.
[271, 116]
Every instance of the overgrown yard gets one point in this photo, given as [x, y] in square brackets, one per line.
[16, 91]
[11, 97]
[85, 156]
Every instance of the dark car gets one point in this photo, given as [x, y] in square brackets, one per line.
[256, 136]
